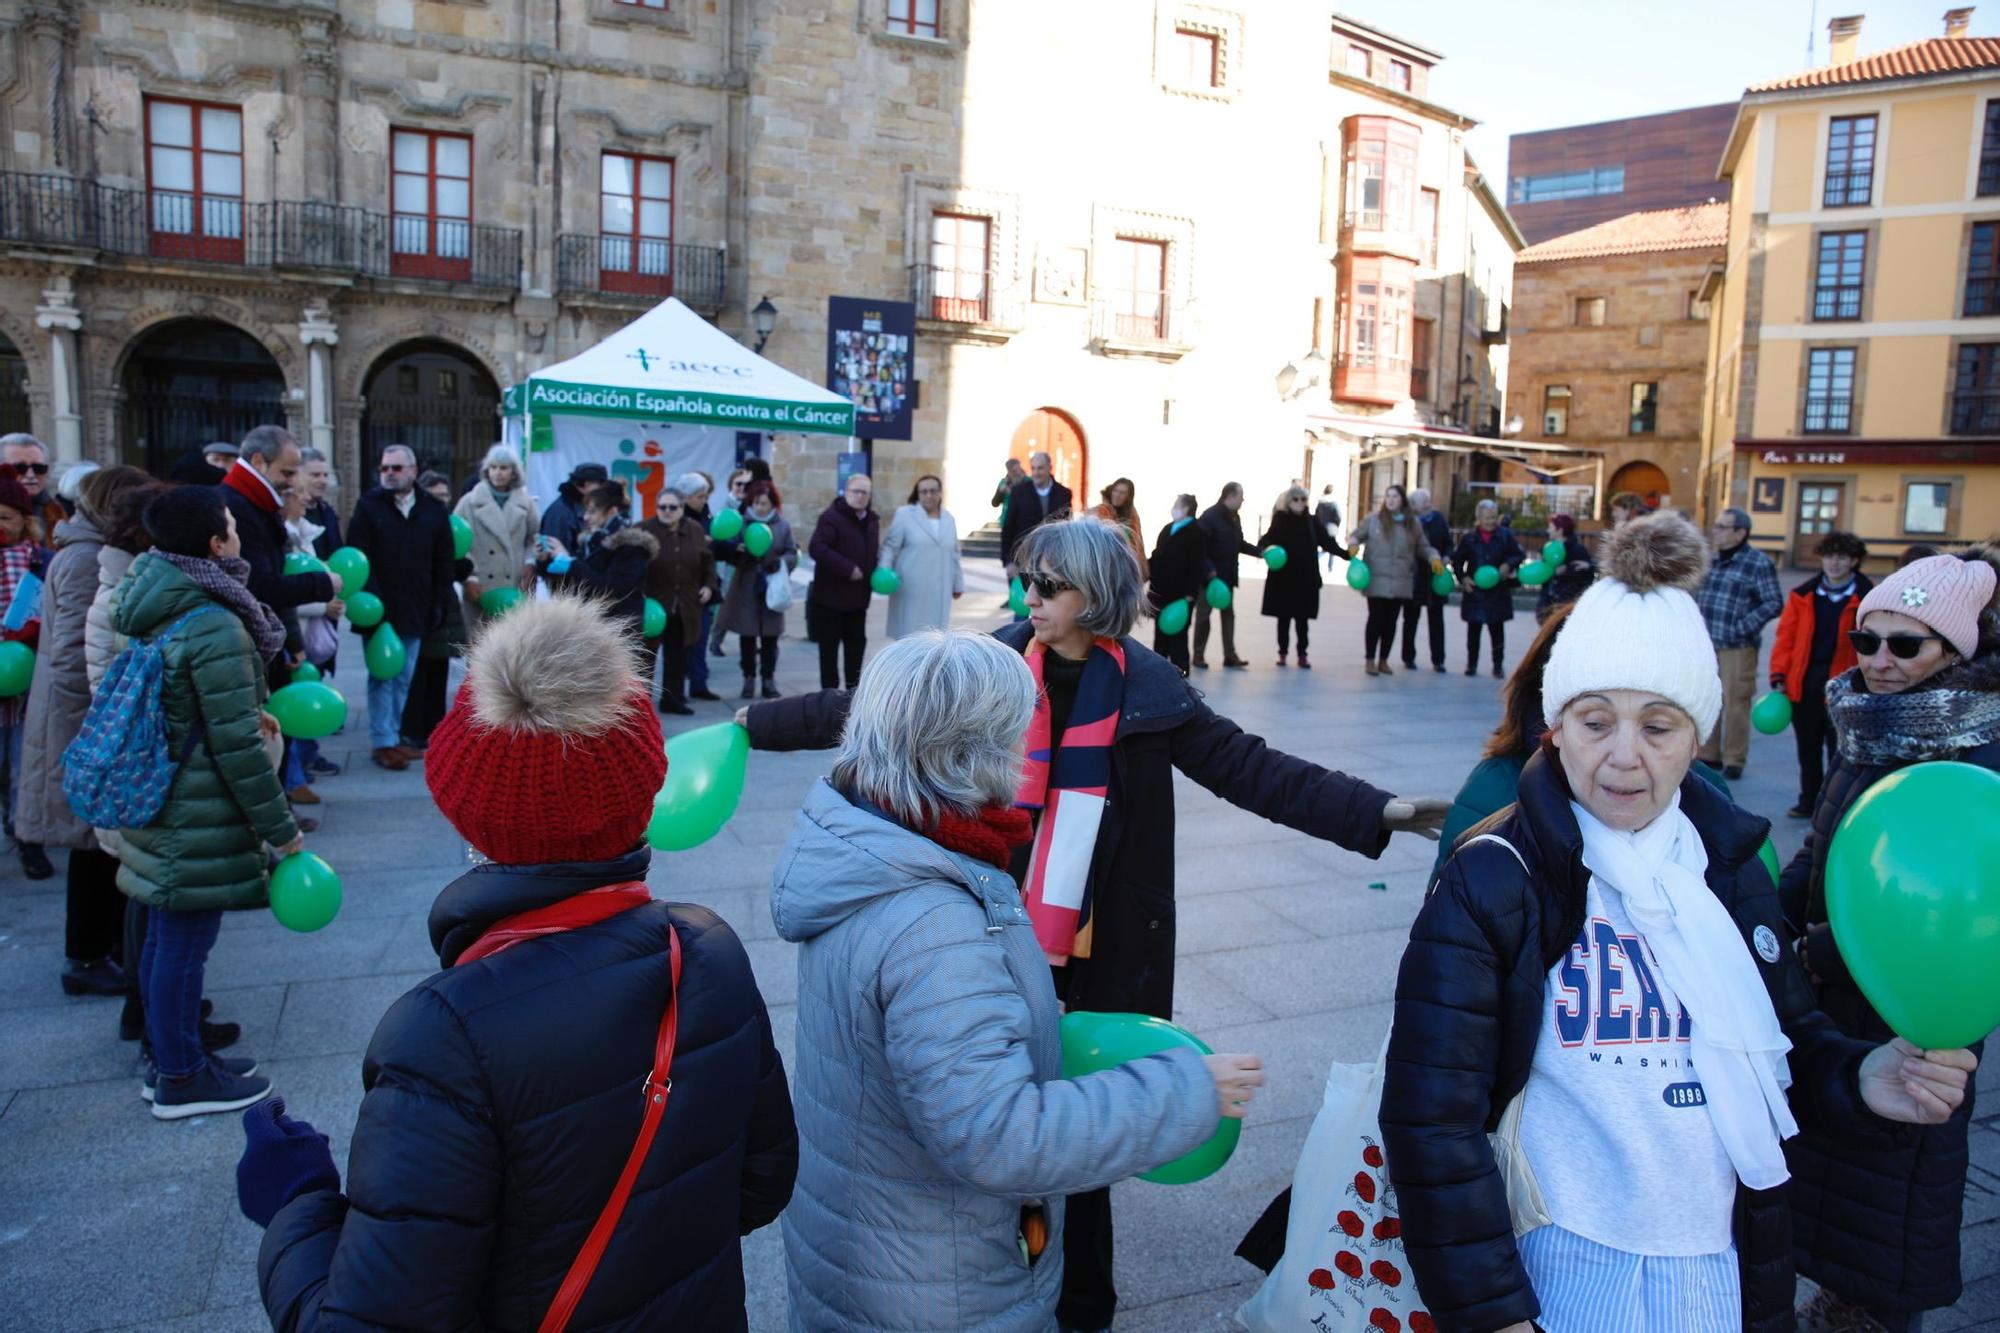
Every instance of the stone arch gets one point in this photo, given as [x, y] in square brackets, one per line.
[31, 341]
[191, 379]
[112, 358]
[356, 368]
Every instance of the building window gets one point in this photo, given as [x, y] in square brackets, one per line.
[194, 180]
[1568, 185]
[1359, 62]
[914, 18]
[1645, 414]
[1589, 311]
[635, 224]
[1975, 398]
[1399, 75]
[1982, 270]
[1850, 161]
[1829, 391]
[961, 258]
[1697, 308]
[1381, 174]
[1196, 59]
[1422, 331]
[1927, 508]
[1376, 360]
[447, 384]
[1989, 152]
[406, 381]
[1139, 289]
[431, 205]
[1427, 225]
[1837, 274]
[1555, 410]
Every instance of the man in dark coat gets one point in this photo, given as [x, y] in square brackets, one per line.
[843, 547]
[254, 490]
[1034, 499]
[316, 475]
[1428, 603]
[406, 535]
[1221, 527]
[563, 519]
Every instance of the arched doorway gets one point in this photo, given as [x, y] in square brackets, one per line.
[438, 400]
[191, 382]
[14, 413]
[1644, 480]
[1053, 431]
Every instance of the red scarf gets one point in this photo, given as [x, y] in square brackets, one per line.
[585, 909]
[1068, 784]
[991, 836]
[250, 486]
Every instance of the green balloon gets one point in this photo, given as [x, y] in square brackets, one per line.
[352, 565]
[308, 710]
[757, 538]
[364, 610]
[305, 892]
[461, 537]
[386, 654]
[1358, 575]
[499, 601]
[17, 669]
[1219, 596]
[1772, 713]
[1486, 576]
[1017, 596]
[303, 562]
[1093, 1043]
[885, 581]
[1174, 615]
[1535, 573]
[1768, 854]
[726, 525]
[656, 619]
[705, 769]
[304, 672]
[1913, 892]
[1275, 557]
[1442, 583]
[1555, 552]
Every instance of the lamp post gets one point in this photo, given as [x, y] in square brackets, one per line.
[763, 318]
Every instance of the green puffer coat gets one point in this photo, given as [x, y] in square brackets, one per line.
[205, 849]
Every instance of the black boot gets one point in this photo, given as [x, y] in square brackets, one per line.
[35, 861]
[749, 688]
[771, 689]
[98, 976]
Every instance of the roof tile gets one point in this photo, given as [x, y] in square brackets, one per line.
[1699, 227]
[1933, 55]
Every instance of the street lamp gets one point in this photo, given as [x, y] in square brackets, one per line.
[763, 318]
[1295, 380]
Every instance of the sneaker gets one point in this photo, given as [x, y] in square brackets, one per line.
[749, 688]
[323, 767]
[389, 757]
[1799, 812]
[100, 976]
[771, 689]
[35, 861]
[241, 1066]
[210, 1090]
[704, 694]
[302, 795]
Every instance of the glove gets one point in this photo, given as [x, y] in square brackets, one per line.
[282, 1159]
[559, 565]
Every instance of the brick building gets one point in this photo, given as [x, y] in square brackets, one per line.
[1563, 180]
[1610, 342]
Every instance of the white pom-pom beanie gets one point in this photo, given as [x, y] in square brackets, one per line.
[1620, 639]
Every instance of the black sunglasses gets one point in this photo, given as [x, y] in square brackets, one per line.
[1905, 646]
[1048, 585]
[23, 469]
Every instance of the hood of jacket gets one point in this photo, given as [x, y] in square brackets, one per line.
[842, 856]
[78, 527]
[492, 892]
[632, 535]
[152, 593]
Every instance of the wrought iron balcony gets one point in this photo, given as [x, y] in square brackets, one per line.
[649, 270]
[1140, 321]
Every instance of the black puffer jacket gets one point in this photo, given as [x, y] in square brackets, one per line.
[1878, 1225]
[1163, 726]
[1179, 564]
[1470, 1005]
[502, 1101]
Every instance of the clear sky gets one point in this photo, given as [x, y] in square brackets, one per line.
[1519, 65]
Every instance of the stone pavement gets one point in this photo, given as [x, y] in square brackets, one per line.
[1288, 947]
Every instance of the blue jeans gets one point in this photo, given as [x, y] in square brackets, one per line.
[170, 976]
[697, 657]
[10, 759]
[387, 697]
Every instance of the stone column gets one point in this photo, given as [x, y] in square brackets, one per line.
[319, 334]
[62, 319]
[316, 27]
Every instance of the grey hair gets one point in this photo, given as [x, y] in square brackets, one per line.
[936, 725]
[674, 491]
[388, 449]
[1483, 506]
[1737, 518]
[308, 454]
[24, 440]
[266, 442]
[1286, 496]
[1096, 556]
[1421, 495]
[500, 455]
[687, 483]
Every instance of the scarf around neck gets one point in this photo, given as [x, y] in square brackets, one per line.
[990, 836]
[1068, 784]
[1736, 1042]
[227, 581]
[1956, 710]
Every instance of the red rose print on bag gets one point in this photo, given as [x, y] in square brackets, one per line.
[1350, 1222]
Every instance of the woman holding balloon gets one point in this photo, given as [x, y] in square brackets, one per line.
[921, 550]
[504, 522]
[1487, 600]
[681, 581]
[612, 567]
[763, 550]
[1608, 952]
[1390, 555]
[1878, 1226]
[1290, 546]
[1180, 569]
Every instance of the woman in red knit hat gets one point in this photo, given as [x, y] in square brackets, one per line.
[519, 1115]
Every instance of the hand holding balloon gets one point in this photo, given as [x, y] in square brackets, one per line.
[1916, 1087]
[1237, 1078]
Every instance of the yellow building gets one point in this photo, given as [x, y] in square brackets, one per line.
[1853, 374]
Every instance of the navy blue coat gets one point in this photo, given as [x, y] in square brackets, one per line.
[1222, 539]
[1494, 605]
[502, 1100]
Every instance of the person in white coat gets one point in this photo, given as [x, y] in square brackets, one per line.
[922, 547]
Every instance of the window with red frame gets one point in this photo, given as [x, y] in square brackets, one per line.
[1138, 282]
[430, 202]
[635, 224]
[1381, 174]
[1376, 362]
[961, 253]
[918, 18]
[1197, 59]
[194, 180]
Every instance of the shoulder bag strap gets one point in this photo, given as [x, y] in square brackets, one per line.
[657, 1088]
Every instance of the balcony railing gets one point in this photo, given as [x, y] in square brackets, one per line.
[951, 295]
[82, 214]
[1139, 318]
[1975, 414]
[641, 267]
[1829, 414]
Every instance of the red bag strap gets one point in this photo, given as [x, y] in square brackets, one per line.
[657, 1088]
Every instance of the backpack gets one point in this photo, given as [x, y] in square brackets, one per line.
[116, 772]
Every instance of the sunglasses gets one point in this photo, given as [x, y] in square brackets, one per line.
[1904, 646]
[1049, 586]
[671, 509]
[23, 469]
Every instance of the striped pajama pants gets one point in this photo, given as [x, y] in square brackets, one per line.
[1585, 1287]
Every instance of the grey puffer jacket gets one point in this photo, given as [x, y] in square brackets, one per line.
[60, 695]
[928, 1086]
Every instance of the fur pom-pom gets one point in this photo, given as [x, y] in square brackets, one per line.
[1660, 550]
[557, 666]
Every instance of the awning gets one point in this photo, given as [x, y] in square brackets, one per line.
[1537, 455]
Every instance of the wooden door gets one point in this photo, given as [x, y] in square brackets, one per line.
[1054, 432]
[1822, 509]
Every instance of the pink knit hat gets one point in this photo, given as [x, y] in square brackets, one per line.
[1942, 591]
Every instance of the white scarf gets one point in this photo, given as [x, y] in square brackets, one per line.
[1737, 1044]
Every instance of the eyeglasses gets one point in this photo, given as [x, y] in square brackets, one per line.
[394, 467]
[671, 509]
[1049, 586]
[23, 469]
[1902, 646]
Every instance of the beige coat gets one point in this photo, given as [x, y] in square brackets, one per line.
[1395, 554]
[503, 537]
[925, 557]
[60, 694]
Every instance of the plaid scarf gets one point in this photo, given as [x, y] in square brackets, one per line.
[1956, 710]
[1068, 786]
[228, 582]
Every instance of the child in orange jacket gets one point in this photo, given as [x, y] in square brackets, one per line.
[1812, 648]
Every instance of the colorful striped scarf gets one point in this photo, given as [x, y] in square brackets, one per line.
[1068, 784]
